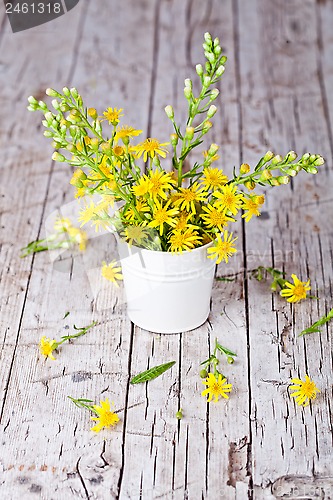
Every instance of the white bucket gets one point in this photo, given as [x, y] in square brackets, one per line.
[167, 292]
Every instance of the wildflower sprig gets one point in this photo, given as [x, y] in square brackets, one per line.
[315, 327]
[150, 206]
[292, 292]
[65, 236]
[47, 346]
[215, 381]
[214, 361]
[105, 416]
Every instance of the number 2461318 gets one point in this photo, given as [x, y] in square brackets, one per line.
[34, 8]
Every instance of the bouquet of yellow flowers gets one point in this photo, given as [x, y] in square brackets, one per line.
[170, 209]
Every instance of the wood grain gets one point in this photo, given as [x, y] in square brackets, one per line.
[276, 94]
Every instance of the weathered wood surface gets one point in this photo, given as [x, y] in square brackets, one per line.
[276, 94]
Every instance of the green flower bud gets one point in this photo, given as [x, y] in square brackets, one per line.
[312, 158]
[105, 147]
[283, 179]
[220, 70]
[214, 93]
[42, 105]
[52, 93]
[169, 112]
[64, 107]
[188, 93]
[98, 127]
[268, 156]
[156, 161]
[213, 150]
[189, 133]
[174, 139]
[70, 147]
[55, 104]
[217, 50]
[206, 126]
[250, 185]
[277, 159]
[32, 107]
[74, 93]
[275, 181]
[206, 81]
[208, 38]
[291, 156]
[179, 414]
[265, 175]
[311, 170]
[210, 57]
[32, 100]
[49, 116]
[199, 69]
[58, 157]
[188, 83]
[66, 91]
[230, 360]
[48, 133]
[319, 161]
[292, 172]
[203, 374]
[305, 157]
[211, 111]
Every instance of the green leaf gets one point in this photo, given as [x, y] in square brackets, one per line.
[314, 328]
[66, 314]
[152, 373]
[224, 350]
[209, 360]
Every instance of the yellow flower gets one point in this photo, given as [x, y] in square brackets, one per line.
[62, 224]
[87, 213]
[252, 205]
[222, 249]
[163, 215]
[106, 417]
[297, 291]
[304, 390]
[78, 236]
[182, 221]
[187, 197]
[184, 240]
[215, 217]
[213, 178]
[118, 150]
[216, 387]
[47, 346]
[79, 144]
[113, 115]
[142, 187]
[135, 234]
[151, 147]
[211, 158]
[77, 178]
[112, 272]
[126, 132]
[229, 199]
[159, 183]
[141, 206]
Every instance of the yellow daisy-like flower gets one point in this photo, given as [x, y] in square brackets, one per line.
[87, 213]
[213, 178]
[142, 186]
[135, 234]
[163, 215]
[187, 197]
[151, 147]
[182, 221]
[47, 346]
[184, 240]
[141, 206]
[304, 390]
[216, 387]
[118, 150]
[215, 217]
[62, 224]
[211, 158]
[126, 132]
[112, 115]
[229, 198]
[106, 417]
[159, 183]
[222, 249]
[78, 236]
[112, 272]
[252, 205]
[294, 292]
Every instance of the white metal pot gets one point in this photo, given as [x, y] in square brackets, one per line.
[167, 292]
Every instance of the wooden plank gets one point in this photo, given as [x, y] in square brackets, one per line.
[280, 116]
